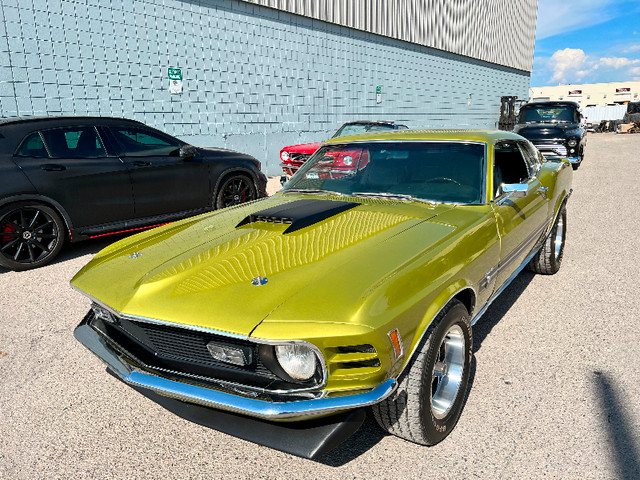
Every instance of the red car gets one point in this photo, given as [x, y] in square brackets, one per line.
[294, 156]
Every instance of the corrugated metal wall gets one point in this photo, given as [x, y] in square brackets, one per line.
[496, 31]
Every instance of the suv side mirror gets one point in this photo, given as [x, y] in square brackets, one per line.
[187, 152]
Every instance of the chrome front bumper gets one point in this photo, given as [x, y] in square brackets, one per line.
[265, 409]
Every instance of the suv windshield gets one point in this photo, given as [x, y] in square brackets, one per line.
[449, 172]
[550, 113]
[358, 128]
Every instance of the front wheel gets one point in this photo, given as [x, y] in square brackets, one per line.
[31, 235]
[428, 401]
[235, 189]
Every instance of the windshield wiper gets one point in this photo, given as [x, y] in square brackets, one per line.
[313, 191]
[395, 196]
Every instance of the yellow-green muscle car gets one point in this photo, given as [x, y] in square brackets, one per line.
[278, 320]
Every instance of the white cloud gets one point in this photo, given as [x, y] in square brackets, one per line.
[570, 64]
[631, 48]
[618, 62]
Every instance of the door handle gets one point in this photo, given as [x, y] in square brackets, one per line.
[543, 191]
[141, 163]
[52, 167]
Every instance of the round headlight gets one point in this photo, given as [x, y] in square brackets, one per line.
[348, 160]
[572, 142]
[297, 360]
[284, 155]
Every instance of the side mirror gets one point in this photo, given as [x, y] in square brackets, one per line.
[513, 190]
[187, 152]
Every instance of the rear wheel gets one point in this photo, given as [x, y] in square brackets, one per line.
[235, 189]
[548, 259]
[428, 401]
[31, 235]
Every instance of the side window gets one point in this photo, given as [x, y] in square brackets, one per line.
[509, 166]
[530, 154]
[32, 146]
[141, 142]
[74, 142]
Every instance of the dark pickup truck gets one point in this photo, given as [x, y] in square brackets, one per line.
[555, 128]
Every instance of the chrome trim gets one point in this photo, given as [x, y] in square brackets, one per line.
[254, 407]
[248, 338]
[504, 285]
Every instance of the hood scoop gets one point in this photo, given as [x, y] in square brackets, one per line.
[299, 214]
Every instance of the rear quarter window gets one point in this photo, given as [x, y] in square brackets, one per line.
[32, 146]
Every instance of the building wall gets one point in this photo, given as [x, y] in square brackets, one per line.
[255, 79]
[591, 94]
[497, 31]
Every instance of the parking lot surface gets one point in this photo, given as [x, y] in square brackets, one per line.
[555, 388]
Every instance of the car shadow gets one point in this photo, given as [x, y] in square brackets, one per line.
[619, 429]
[371, 434]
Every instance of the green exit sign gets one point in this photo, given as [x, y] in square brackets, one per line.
[175, 74]
[378, 90]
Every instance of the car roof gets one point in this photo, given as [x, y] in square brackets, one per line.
[6, 121]
[370, 122]
[550, 104]
[483, 136]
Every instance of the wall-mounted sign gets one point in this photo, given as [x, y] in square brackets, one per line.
[379, 94]
[623, 90]
[575, 92]
[175, 80]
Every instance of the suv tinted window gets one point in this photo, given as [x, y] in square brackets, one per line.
[74, 142]
[142, 142]
[32, 146]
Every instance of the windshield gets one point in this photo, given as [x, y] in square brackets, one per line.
[552, 114]
[358, 128]
[449, 172]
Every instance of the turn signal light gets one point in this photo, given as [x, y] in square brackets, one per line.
[396, 341]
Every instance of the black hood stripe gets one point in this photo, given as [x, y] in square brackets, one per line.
[299, 214]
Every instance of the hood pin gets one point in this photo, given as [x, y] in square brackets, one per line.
[259, 281]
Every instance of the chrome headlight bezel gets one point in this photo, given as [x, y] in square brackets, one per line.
[284, 155]
[572, 142]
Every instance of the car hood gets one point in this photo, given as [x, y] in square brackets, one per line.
[199, 271]
[544, 130]
[308, 148]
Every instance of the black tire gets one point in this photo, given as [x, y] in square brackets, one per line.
[548, 259]
[31, 235]
[419, 410]
[575, 166]
[235, 189]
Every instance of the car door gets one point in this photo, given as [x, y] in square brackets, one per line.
[163, 182]
[71, 166]
[521, 221]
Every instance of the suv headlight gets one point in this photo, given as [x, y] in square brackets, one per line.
[572, 142]
[284, 155]
[297, 360]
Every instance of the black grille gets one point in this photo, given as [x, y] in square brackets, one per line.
[299, 157]
[190, 345]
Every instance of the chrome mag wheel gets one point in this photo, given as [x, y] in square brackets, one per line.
[446, 377]
[559, 238]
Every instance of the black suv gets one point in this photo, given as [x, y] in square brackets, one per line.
[74, 178]
[555, 128]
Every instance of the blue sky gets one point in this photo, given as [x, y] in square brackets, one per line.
[586, 41]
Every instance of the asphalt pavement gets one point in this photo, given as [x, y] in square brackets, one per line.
[555, 388]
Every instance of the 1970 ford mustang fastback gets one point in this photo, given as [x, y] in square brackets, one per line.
[278, 320]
